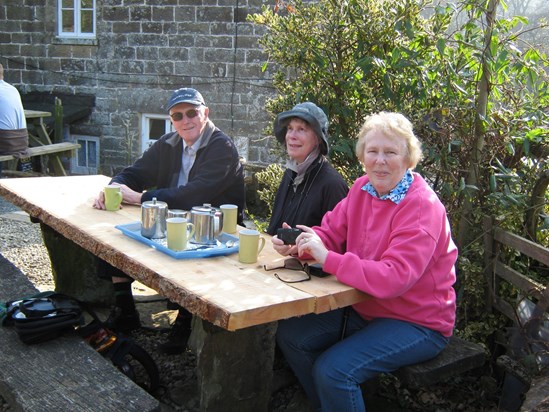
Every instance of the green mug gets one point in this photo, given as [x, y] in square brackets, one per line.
[113, 197]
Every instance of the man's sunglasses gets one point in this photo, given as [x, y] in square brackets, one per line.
[292, 264]
[191, 113]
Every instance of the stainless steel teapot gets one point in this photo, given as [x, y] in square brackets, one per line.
[208, 222]
[153, 219]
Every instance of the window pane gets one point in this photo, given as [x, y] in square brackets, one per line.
[87, 22]
[82, 153]
[86, 4]
[68, 21]
[157, 128]
[68, 4]
[92, 154]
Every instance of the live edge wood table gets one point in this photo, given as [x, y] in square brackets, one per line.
[236, 305]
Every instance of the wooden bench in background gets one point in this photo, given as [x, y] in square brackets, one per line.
[49, 149]
[64, 374]
[45, 150]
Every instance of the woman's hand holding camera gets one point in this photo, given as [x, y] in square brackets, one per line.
[309, 243]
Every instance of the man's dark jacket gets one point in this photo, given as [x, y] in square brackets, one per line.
[321, 189]
[216, 177]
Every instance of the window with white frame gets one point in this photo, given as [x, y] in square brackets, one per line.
[153, 126]
[86, 159]
[76, 18]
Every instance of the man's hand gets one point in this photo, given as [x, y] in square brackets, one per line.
[128, 196]
[99, 202]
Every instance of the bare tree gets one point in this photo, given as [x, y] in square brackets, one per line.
[519, 7]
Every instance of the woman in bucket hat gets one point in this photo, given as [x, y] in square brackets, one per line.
[310, 186]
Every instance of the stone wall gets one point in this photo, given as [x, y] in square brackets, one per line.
[143, 50]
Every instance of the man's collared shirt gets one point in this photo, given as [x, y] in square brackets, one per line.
[187, 160]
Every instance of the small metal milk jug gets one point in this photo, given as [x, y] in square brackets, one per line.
[153, 219]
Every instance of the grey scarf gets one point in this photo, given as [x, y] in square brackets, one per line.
[301, 168]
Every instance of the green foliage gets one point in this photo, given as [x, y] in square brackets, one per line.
[356, 57]
[269, 180]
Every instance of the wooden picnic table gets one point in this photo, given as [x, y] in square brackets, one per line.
[35, 118]
[40, 143]
[234, 368]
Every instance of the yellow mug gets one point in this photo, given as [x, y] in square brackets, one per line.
[230, 214]
[179, 231]
[113, 197]
[250, 245]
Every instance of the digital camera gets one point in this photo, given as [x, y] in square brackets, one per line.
[288, 236]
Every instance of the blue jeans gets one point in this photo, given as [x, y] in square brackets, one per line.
[331, 370]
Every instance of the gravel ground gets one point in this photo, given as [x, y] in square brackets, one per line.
[21, 243]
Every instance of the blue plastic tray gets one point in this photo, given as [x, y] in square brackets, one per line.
[193, 251]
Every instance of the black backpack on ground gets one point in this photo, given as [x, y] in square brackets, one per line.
[43, 316]
[48, 315]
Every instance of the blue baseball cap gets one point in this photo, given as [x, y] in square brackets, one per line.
[186, 95]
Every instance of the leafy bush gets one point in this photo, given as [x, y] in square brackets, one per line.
[477, 96]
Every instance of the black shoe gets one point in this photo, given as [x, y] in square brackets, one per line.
[178, 337]
[118, 321]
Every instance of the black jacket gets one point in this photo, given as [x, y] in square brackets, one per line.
[216, 177]
[321, 189]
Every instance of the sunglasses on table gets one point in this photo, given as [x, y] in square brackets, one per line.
[292, 264]
[191, 114]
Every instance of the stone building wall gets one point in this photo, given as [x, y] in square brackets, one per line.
[143, 50]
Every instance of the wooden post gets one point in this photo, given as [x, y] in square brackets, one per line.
[488, 228]
[58, 127]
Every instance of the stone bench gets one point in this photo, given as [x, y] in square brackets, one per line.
[64, 374]
[458, 357]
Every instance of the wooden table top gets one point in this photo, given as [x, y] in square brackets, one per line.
[220, 289]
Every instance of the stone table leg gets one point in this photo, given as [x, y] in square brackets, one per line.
[74, 269]
[234, 369]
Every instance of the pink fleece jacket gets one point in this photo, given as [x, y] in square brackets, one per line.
[401, 255]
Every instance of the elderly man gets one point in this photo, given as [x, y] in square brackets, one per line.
[196, 164]
[14, 138]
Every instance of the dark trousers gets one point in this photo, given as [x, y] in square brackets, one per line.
[107, 271]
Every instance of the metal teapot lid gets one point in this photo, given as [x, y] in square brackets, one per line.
[154, 204]
[206, 208]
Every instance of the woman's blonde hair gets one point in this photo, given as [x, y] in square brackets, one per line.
[395, 126]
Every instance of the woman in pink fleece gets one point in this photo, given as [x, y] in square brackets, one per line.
[389, 238]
